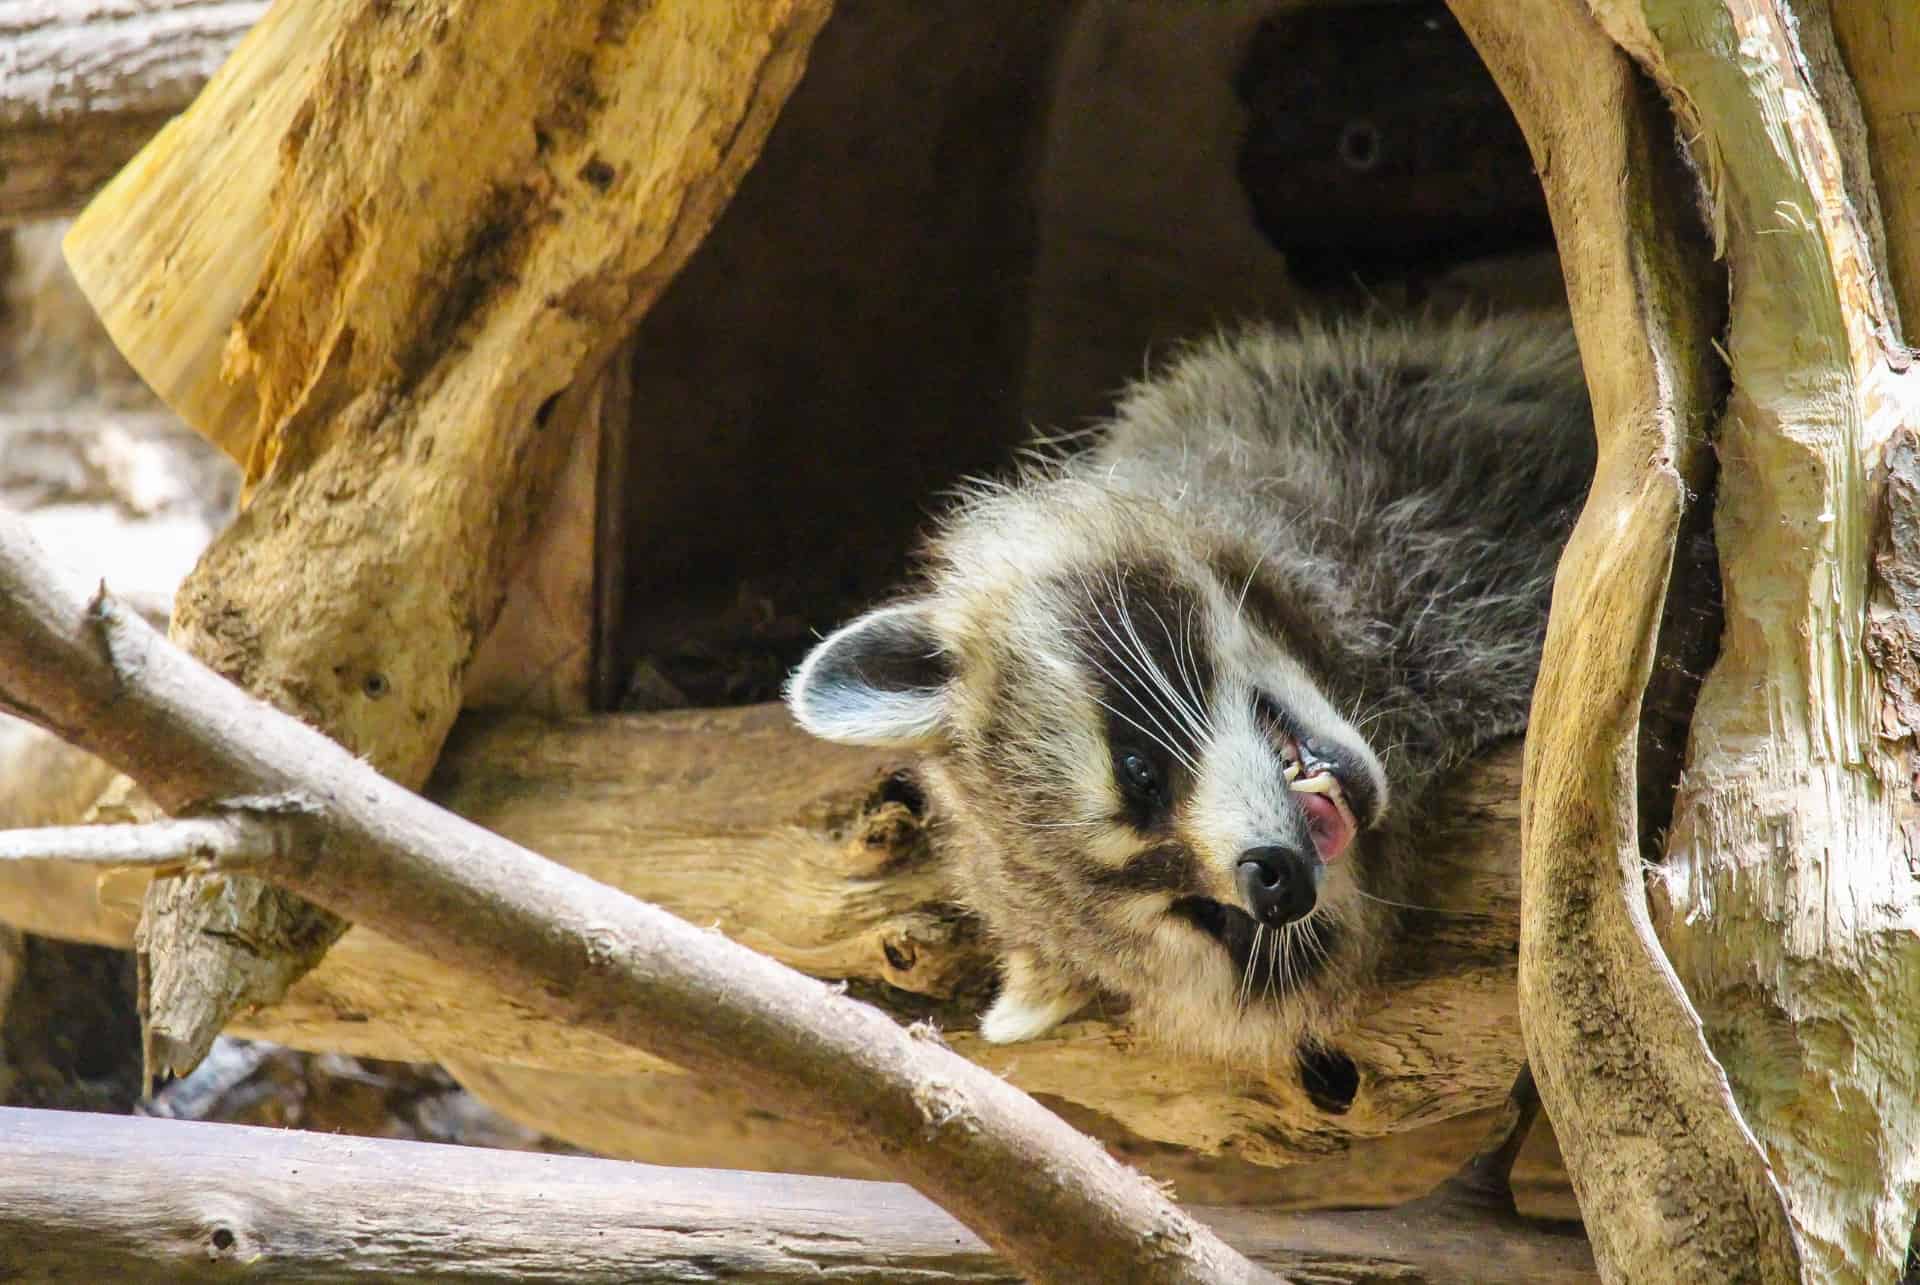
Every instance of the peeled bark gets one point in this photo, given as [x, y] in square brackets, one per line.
[1665, 1170]
[1790, 896]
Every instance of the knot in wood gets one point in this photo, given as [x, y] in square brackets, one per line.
[889, 832]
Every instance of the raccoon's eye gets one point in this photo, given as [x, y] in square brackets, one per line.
[1139, 774]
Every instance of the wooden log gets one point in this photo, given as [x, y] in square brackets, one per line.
[407, 362]
[107, 1198]
[85, 83]
[667, 1117]
[823, 857]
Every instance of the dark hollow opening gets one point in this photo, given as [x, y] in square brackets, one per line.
[1329, 1077]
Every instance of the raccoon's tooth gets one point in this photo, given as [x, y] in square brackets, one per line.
[1320, 783]
[1291, 770]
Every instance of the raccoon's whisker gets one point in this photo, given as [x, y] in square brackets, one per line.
[1193, 701]
[1108, 636]
[1157, 680]
[1193, 678]
[1253, 960]
[1189, 687]
[1239, 606]
[1152, 684]
[1283, 956]
[1273, 964]
[1161, 738]
[1154, 737]
[1436, 910]
[1319, 942]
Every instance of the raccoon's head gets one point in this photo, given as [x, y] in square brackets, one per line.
[1153, 791]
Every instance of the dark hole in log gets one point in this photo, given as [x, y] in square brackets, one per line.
[223, 1239]
[1377, 145]
[597, 174]
[1329, 1077]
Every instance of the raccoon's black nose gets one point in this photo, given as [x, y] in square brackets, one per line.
[1279, 884]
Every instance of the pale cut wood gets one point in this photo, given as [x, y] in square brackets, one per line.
[408, 358]
[1042, 1194]
[170, 250]
[819, 856]
[1789, 902]
[85, 83]
[1671, 1182]
[104, 1198]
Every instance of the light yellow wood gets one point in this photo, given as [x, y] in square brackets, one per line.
[171, 249]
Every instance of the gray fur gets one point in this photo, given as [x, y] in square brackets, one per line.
[1359, 522]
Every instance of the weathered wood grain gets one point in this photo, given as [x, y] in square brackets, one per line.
[85, 83]
[106, 1198]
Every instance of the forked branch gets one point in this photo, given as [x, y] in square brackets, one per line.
[1042, 1194]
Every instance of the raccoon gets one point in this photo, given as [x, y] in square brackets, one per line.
[1183, 696]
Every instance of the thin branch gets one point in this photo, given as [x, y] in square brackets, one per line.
[235, 841]
[1044, 1195]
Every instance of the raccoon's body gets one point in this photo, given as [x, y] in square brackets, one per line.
[1184, 696]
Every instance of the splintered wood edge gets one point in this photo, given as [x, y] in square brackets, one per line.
[169, 251]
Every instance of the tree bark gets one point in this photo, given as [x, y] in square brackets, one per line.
[105, 1198]
[85, 83]
[1879, 45]
[1670, 1179]
[1790, 901]
[1045, 1196]
[409, 366]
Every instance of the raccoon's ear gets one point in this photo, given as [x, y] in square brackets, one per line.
[878, 681]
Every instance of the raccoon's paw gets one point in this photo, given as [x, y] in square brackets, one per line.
[1032, 1002]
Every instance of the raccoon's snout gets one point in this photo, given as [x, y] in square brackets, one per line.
[1279, 885]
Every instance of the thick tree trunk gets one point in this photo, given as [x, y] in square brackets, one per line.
[1790, 897]
[1612, 1037]
[402, 366]
[1788, 903]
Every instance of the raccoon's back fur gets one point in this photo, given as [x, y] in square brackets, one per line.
[1184, 695]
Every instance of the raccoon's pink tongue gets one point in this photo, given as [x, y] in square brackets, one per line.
[1332, 832]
